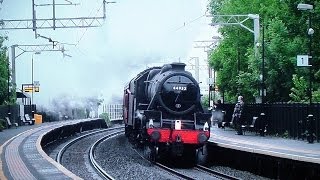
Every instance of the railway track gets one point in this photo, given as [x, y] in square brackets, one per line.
[174, 172]
[197, 172]
[214, 173]
[94, 163]
[78, 147]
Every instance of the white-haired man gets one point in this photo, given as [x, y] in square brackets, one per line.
[237, 115]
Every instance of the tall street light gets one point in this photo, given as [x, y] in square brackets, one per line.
[8, 90]
[240, 20]
[308, 7]
[263, 91]
[32, 110]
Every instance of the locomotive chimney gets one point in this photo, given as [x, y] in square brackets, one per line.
[178, 66]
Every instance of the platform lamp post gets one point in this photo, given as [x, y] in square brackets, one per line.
[8, 81]
[263, 84]
[8, 90]
[240, 20]
[309, 7]
[32, 62]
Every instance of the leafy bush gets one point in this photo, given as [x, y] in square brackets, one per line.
[105, 116]
[285, 134]
[205, 101]
[298, 91]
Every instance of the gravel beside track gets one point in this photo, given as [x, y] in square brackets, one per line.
[76, 158]
[53, 148]
[122, 162]
[239, 174]
[195, 174]
[119, 159]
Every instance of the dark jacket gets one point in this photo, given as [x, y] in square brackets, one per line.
[238, 109]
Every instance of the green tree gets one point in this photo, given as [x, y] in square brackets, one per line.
[205, 101]
[299, 90]
[285, 37]
[4, 72]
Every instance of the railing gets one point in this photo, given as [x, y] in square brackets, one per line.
[282, 118]
[114, 111]
[287, 119]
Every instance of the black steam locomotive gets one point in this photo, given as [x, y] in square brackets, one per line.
[162, 111]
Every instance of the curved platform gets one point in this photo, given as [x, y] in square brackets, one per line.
[22, 156]
[267, 145]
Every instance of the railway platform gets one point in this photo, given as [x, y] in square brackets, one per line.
[7, 134]
[291, 149]
[21, 154]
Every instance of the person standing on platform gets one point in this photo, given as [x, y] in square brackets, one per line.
[218, 114]
[237, 115]
[218, 105]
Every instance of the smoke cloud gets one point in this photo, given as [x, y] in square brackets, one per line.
[135, 34]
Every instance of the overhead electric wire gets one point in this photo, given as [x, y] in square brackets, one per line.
[190, 22]
[87, 28]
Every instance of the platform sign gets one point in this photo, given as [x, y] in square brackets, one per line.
[27, 89]
[36, 89]
[303, 60]
[30, 89]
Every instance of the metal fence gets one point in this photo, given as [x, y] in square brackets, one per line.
[114, 111]
[287, 119]
[282, 118]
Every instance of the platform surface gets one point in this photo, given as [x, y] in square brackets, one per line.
[6, 134]
[269, 145]
[22, 157]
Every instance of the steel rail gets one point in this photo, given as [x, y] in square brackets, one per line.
[65, 147]
[197, 167]
[177, 173]
[94, 163]
[217, 173]
[166, 168]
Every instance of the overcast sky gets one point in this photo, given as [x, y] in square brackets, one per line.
[135, 34]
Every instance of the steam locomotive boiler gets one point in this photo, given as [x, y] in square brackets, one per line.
[162, 111]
